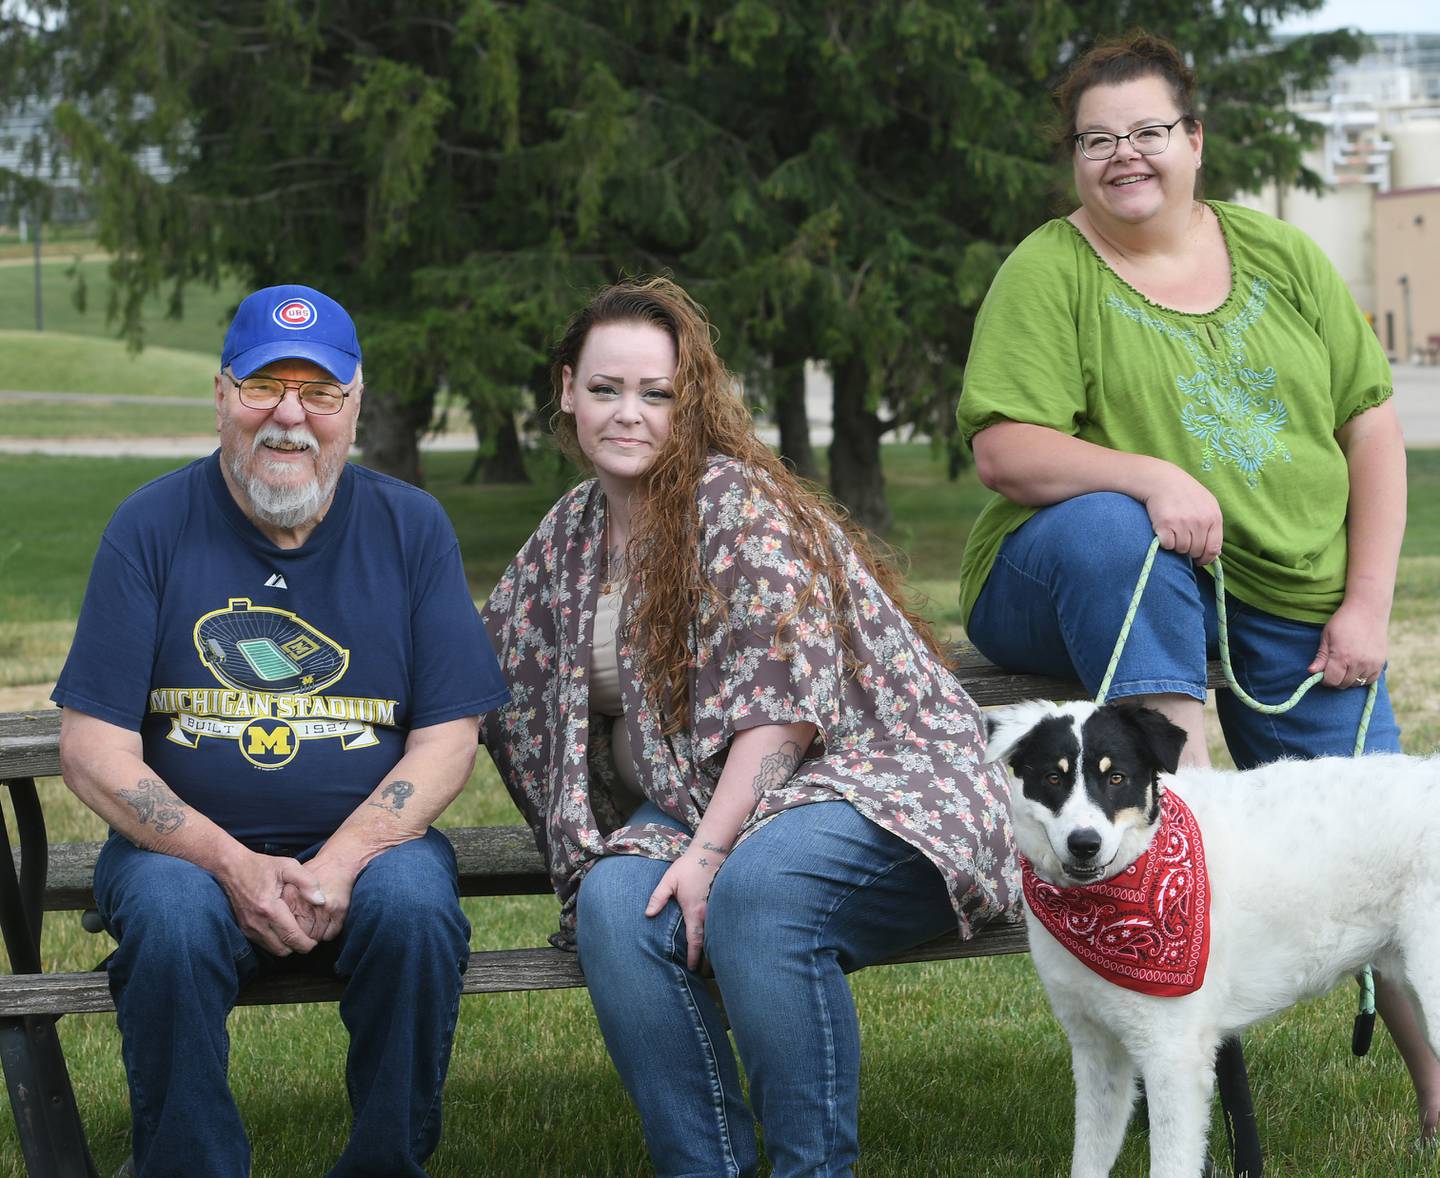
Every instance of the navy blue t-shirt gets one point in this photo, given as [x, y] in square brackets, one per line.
[274, 688]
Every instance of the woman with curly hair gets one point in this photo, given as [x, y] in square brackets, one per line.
[701, 655]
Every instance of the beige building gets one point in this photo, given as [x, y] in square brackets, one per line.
[1379, 158]
[1379, 216]
[1407, 272]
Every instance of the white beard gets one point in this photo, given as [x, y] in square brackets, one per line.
[286, 506]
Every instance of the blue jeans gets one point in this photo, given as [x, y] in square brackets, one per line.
[182, 960]
[1056, 598]
[814, 893]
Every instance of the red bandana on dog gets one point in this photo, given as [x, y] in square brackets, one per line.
[1148, 928]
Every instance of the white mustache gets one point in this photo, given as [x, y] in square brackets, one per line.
[298, 435]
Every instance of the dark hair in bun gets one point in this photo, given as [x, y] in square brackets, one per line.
[1136, 55]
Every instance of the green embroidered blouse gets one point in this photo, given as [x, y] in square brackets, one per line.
[1247, 398]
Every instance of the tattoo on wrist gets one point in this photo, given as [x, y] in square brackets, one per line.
[777, 768]
[155, 805]
[717, 851]
[394, 796]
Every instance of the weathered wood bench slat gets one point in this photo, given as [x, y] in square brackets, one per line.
[28, 739]
[493, 861]
[492, 972]
[34, 754]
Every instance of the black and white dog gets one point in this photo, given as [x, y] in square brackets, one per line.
[1304, 870]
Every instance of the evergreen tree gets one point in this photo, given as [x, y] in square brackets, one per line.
[834, 179]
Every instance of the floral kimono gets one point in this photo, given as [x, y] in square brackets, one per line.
[897, 737]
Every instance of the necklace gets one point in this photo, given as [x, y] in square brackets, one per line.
[1117, 254]
[613, 558]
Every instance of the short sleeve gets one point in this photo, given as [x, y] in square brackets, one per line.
[1360, 375]
[455, 672]
[1025, 358]
[107, 672]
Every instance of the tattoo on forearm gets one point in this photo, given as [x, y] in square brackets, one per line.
[394, 796]
[155, 805]
[777, 768]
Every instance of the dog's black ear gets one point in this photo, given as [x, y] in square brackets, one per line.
[1007, 727]
[1162, 737]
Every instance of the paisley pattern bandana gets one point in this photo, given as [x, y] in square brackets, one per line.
[1148, 928]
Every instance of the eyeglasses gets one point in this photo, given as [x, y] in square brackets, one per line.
[1151, 140]
[265, 392]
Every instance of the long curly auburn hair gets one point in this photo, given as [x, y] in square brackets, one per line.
[708, 417]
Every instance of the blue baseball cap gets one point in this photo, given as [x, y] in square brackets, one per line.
[291, 323]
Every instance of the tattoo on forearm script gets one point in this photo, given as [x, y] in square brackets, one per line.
[777, 767]
[155, 805]
[394, 796]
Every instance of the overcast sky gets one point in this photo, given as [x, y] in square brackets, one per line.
[1373, 16]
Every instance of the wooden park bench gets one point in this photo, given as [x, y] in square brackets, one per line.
[36, 878]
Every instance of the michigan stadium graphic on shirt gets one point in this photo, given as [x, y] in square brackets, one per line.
[273, 668]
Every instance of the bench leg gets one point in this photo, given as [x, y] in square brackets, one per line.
[1241, 1130]
[52, 1141]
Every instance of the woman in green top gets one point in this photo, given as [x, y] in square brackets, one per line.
[1155, 365]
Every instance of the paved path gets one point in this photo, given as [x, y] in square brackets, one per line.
[51, 259]
[1417, 400]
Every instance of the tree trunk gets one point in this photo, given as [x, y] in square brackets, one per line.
[390, 433]
[789, 398]
[856, 477]
[501, 457]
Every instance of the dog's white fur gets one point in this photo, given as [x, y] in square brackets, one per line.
[1316, 868]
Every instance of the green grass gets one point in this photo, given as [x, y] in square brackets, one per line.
[205, 311]
[61, 239]
[57, 507]
[55, 510]
[966, 1073]
[62, 362]
[1422, 523]
[70, 419]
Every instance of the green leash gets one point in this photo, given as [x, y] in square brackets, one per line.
[1365, 1017]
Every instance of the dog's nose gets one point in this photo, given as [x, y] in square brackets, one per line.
[1084, 843]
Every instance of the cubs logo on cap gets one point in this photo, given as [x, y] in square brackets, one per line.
[294, 314]
[291, 322]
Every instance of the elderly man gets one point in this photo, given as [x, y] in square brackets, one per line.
[274, 690]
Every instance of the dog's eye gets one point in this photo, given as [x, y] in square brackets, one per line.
[1116, 779]
[1052, 778]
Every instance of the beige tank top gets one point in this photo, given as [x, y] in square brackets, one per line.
[605, 696]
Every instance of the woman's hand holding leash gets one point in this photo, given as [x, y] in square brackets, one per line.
[1184, 514]
[1353, 646]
